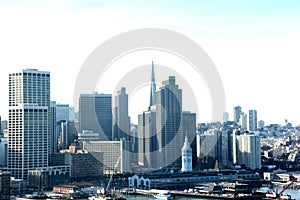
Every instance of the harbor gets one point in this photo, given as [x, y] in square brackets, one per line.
[196, 193]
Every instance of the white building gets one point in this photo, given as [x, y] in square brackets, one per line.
[28, 127]
[247, 150]
[116, 155]
[186, 156]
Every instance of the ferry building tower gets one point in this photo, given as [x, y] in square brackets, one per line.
[186, 153]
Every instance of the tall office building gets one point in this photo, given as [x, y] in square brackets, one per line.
[148, 153]
[247, 150]
[3, 152]
[28, 125]
[252, 120]
[147, 139]
[67, 134]
[62, 112]
[95, 114]
[214, 147]
[52, 128]
[3, 128]
[153, 88]
[237, 113]
[4, 125]
[162, 127]
[168, 123]
[62, 131]
[72, 114]
[121, 128]
[244, 121]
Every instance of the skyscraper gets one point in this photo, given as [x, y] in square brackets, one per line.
[52, 128]
[244, 121]
[121, 119]
[147, 139]
[168, 122]
[29, 101]
[148, 154]
[62, 112]
[67, 134]
[162, 127]
[214, 148]
[247, 150]
[237, 113]
[153, 88]
[252, 120]
[95, 114]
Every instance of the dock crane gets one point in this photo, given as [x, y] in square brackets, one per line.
[280, 195]
[287, 186]
[111, 177]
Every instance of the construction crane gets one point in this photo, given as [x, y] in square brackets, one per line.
[287, 186]
[111, 177]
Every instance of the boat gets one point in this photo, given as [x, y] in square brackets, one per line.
[163, 196]
[106, 197]
[285, 197]
[38, 195]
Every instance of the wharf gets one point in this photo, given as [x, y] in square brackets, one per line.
[194, 194]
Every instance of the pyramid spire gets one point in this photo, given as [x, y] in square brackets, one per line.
[153, 88]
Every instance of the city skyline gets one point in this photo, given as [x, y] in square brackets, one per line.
[113, 99]
[260, 64]
[230, 116]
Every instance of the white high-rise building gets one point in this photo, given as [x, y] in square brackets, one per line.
[186, 156]
[247, 150]
[28, 125]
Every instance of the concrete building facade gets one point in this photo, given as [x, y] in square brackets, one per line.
[28, 125]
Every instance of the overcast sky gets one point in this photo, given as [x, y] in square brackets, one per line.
[255, 46]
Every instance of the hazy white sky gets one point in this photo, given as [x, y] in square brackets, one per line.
[254, 45]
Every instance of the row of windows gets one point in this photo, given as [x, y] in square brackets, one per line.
[19, 111]
[25, 74]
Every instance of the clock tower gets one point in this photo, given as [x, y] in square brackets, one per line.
[186, 156]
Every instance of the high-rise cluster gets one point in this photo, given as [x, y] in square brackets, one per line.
[161, 129]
